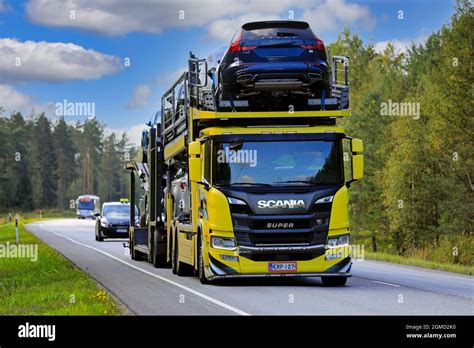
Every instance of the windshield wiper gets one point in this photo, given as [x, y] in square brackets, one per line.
[250, 183]
[294, 181]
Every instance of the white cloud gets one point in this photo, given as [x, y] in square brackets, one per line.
[169, 78]
[116, 17]
[401, 46]
[334, 15]
[134, 133]
[52, 61]
[139, 97]
[222, 17]
[224, 28]
[12, 100]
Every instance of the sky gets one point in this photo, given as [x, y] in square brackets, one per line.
[119, 56]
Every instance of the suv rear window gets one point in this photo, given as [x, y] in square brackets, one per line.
[264, 33]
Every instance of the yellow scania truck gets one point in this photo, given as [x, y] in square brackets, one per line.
[230, 192]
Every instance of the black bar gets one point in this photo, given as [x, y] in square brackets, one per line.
[291, 331]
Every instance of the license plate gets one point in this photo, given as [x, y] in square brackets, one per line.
[121, 230]
[282, 267]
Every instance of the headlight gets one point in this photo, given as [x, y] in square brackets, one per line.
[223, 243]
[104, 223]
[327, 199]
[338, 241]
[236, 201]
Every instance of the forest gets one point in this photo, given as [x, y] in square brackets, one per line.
[48, 163]
[417, 196]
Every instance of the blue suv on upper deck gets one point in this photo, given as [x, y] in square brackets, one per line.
[276, 58]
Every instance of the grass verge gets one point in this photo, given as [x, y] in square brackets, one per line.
[51, 285]
[410, 261]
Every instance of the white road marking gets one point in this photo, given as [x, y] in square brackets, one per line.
[192, 291]
[390, 284]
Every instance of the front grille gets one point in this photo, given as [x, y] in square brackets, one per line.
[295, 230]
[118, 226]
[276, 224]
[281, 238]
[285, 257]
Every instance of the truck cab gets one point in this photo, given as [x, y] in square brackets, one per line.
[266, 191]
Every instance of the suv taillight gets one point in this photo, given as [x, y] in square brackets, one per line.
[235, 45]
[319, 46]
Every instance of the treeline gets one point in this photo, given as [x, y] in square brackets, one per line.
[417, 197]
[47, 164]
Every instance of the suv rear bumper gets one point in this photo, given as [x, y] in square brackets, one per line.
[276, 76]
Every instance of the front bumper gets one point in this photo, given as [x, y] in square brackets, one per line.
[111, 232]
[244, 267]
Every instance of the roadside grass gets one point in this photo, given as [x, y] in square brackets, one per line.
[50, 286]
[411, 261]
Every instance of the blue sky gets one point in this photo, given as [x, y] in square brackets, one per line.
[157, 36]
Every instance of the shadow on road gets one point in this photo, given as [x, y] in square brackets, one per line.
[271, 281]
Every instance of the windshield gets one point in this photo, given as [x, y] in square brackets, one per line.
[267, 33]
[87, 204]
[276, 163]
[122, 210]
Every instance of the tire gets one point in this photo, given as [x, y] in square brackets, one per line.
[159, 261]
[179, 267]
[133, 253]
[201, 272]
[334, 281]
[174, 256]
[226, 93]
[98, 237]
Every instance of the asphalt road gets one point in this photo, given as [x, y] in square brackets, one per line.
[376, 288]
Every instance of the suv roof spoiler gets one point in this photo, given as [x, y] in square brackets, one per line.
[275, 24]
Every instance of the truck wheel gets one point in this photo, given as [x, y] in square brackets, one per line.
[181, 268]
[202, 273]
[133, 252]
[158, 260]
[174, 256]
[334, 281]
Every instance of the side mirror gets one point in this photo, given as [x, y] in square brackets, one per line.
[96, 214]
[357, 167]
[357, 147]
[195, 167]
[194, 149]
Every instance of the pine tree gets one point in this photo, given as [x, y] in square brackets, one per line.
[65, 155]
[21, 168]
[43, 161]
